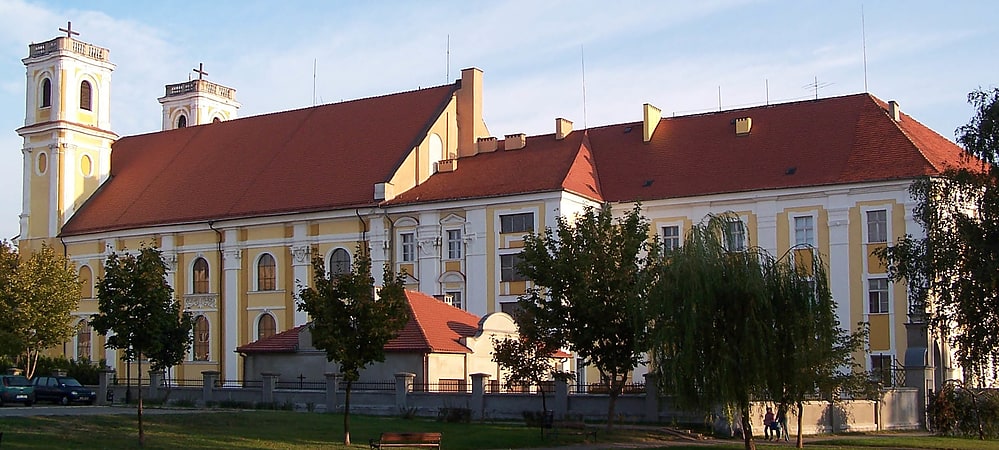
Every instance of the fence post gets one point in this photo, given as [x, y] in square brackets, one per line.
[268, 381]
[478, 394]
[561, 406]
[209, 378]
[403, 381]
[332, 384]
[651, 398]
[104, 387]
[155, 381]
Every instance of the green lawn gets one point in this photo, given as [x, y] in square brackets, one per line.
[287, 430]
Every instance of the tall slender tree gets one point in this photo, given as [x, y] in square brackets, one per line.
[38, 294]
[952, 271]
[590, 283]
[350, 321]
[139, 315]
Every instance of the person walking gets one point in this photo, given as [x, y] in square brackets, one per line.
[781, 421]
[768, 423]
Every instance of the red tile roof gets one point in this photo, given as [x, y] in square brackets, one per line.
[321, 158]
[849, 139]
[433, 327]
[283, 342]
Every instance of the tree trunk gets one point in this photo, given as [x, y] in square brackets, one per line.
[346, 415]
[798, 442]
[142, 434]
[615, 385]
[747, 428]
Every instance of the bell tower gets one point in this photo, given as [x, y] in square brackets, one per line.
[197, 102]
[67, 133]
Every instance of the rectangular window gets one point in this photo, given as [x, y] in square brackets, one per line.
[877, 226]
[453, 244]
[453, 298]
[804, 231]
[877, 295]
[671, 237]
[735, 236]
[516, 223]
[408, 247]
[508, 267]
[881, 369]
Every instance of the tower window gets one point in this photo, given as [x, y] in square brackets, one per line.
[46, 93]
[200, 273]
[266, 273]
[85, 92]
[182, 121]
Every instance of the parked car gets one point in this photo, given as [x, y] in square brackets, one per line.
[16, 389]
[63, 390]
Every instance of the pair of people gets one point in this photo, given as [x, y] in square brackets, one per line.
[775, 426]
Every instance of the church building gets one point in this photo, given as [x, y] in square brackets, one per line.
[238, 205]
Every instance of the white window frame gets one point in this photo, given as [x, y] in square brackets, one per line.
[743, 233]
[867, 225]
[329, 260]
[511, 255]
[407, 246]
[256, 273]
[511, 214]
[804, 233]
[886, 301]
[455, 244]
[665, 239]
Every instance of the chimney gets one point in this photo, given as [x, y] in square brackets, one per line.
[562, 128]
[894, 111]
[651, 116]
[515, 141]
[485, 145]
[743, 125]
[469, 112]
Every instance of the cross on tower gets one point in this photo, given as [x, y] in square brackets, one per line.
[69, 30]
[200, 71]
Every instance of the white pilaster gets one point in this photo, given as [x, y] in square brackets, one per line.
[380, 248]
[839, 259]
[301, 263]
[231, 262]
[430, 242]
[53, 176]
[477, 299]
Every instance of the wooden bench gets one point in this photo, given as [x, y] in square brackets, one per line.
[387, 440]
[571, 427]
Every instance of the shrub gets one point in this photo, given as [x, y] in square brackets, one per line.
[959, 411]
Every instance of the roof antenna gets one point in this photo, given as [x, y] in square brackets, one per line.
[816, 86]
[766, 86]
[582, 64]
[447, 60]
[863, 34]
[719, 98]
[315, 62]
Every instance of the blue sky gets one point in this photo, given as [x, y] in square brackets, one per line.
[678, 55]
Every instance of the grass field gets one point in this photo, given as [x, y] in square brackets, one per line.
[287, 430]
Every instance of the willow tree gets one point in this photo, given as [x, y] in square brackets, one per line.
[38, 294]
[952, 272]
[590, 283]
[810, 352]
[350, 321]
[711, 321]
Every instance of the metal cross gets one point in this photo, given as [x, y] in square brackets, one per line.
[69, 30]
[200, 71]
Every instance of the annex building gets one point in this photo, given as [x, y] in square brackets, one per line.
[238, 205]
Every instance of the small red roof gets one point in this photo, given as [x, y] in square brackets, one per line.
[313, 159]
[433, 327]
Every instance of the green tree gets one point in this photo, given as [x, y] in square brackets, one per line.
[349, 321]
[711, 320]
[810, 352]
[528, 363]
[138, 314]
[37, 297]
[952, 272]
[590, 279]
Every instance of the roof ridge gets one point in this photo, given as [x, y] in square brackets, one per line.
[580, 158]
[416, 320]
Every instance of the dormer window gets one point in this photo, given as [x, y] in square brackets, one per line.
[85, 96]
[46, 93]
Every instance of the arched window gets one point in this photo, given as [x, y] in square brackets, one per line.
[182, 121]
[83, 341]
[201, 337]
[46, 93]
[85, 95]
[266, 273]
[339, 262]
[200, 276]
[86, 282]
[216, 120]
[266, 326]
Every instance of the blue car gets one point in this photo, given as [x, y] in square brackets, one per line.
[63, 390]
[16, 389]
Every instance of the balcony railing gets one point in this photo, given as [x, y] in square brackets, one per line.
[202, 86]
[64, 43]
